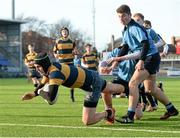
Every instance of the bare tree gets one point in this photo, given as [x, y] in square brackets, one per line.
[43, 35]
[32, 24]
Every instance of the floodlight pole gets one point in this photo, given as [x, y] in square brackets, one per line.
[94, 27]
[112, 41]
[13, 9]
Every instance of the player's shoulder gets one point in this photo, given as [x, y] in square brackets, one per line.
[85, 54]
[28, 54]
[54, 67]
[58, 39]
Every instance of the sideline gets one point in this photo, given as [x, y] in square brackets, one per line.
[88, 127]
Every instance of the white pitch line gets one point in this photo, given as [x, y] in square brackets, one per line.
[88, 127]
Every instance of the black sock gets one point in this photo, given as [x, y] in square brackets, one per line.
[151, 100]
[131, 114]
[72, 94]
[35, 85]
[139, 97]
[170, 107]
[109, 113]
[144, 98]
[156, 101]
[160, 85]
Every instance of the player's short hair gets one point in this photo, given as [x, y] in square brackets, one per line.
[147, 22]
[64, 28]
[87, 44]
[123, 9]
[140, 15]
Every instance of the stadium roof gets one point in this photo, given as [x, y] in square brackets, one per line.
[5, 62]
[9, 22]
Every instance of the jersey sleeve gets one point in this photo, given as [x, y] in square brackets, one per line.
[154, 36]
[139, 34]
[56, 78]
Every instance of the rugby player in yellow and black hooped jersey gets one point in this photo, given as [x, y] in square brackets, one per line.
[89, 59]
[29, 62]
[55, 74]
[63, 51]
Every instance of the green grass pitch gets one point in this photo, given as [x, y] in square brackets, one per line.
[35, 118]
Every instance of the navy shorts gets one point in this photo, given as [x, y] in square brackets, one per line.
[151, 64]
[118, 80]
[33, 73]
[92, 97]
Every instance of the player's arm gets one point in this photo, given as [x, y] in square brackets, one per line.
[55, 51]
[160, 43]
[133, 56]
[74, 44]
[26, 61]
[124, 50]
[75, 51]
[144, 52]
[165, 50]
[33, 94]
[145, 48]
[53, 90]
[109, 69]
[83, 59]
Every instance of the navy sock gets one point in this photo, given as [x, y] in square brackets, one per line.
[131, 114]
[35, 85]
[151, 100]
[170, 107]
[144, 98]
[72, 93]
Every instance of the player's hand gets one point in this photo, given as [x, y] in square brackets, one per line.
[108, 70]
[163, 54]
[140, 65]
[56, 56]
[28, 96]
[109, 61]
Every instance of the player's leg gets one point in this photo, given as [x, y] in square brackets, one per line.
[72, 95]
[138, 77]
[150, 85]
[144, 102]
[31, 74]
[34, 80]
[107, 98]
[90, 103]
[35, 77]
[89, 116]
[159, 85]
[116, 86]
[171, 110]
[160, 96]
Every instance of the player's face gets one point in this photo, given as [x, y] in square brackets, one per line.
[64, 33]
[30, 48]
[39, 69]
[146, 25]
[124, 18]
[88, 48]
[138, 19]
